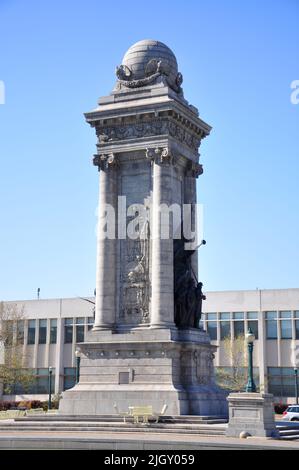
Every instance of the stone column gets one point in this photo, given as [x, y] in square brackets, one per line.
[105, 306]
[162, 306]
[193, 170]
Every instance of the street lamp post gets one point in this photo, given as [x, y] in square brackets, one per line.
[250, 387]
[49, 387]
[78, 359]
[296, 384]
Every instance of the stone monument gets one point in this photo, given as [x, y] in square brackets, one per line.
[146, 347]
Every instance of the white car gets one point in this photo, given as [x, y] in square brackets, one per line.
[291, 413]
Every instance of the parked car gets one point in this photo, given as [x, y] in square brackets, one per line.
[291, 413]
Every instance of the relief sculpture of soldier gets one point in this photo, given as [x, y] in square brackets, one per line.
[188, 294]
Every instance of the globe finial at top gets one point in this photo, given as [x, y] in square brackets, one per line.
[146, 61]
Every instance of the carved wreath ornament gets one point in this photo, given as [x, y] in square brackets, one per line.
[154, 69]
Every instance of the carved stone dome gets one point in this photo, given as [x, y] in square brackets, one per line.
[145, 61]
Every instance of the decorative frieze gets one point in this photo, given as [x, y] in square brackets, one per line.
[125, 131]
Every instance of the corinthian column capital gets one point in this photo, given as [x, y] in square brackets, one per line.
[105, 161]
[160, 155]
[194, 169]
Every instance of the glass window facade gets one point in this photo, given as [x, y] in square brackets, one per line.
[252, 315]
[271, 325]
[212, 330]
[80, 330]
[285, 314]
[238, 316]
[31, 332]
[42, 381]
[238, 328]
[297, 329]
[69, 378]
[253, 325]
[281, 381]
[211, 316]
[39, 384]
[68, 330]
[224, 316]
[224, 329]
[42, 332]
[20, 331]
[90, 322]
[53, 331]
[286, 329]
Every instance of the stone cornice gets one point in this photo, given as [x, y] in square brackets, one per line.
[121, 113]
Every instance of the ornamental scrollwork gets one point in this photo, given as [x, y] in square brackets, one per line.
[105, 161]
[159, 155]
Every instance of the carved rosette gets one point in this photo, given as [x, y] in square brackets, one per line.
[105, 161]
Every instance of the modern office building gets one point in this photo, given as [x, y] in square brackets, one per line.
[50, 329]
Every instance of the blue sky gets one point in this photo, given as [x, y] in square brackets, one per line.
[238, 59]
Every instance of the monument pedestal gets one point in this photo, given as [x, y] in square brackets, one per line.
[252, 413]
[146, 367]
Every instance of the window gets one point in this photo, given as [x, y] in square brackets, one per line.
[238, 316]
[20, 331]
[42, 335]
[286, 329]
[38, 384]
[90, 322]
[8, 332]
[17, 388]
[224, 329]
[224, 316]
[285, 314]
[252, 315]
[296, 314]
[297, 328]
[271, 325]
[238, 328]
[69, 378]
[80, 330]
[53, 331]
[212, 330]
[211, 316]
[42, 381]
[68, 330]
[238, 324]
[253, 325]
[281, 381]
[31, 332]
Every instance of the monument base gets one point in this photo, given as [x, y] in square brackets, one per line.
[252, 414]
[146, 366]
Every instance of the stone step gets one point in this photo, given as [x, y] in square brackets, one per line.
[35, 424]
[44, 425]
[115, 429]
[116, 419]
